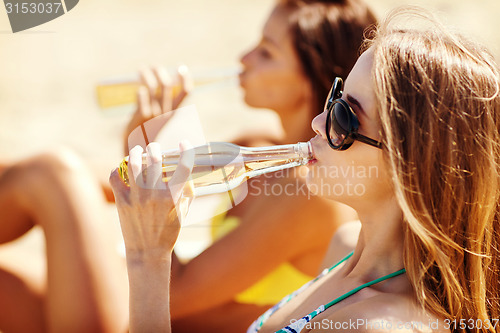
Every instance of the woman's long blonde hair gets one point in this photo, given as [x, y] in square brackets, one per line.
[439, 107]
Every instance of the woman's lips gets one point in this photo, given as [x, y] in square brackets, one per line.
[241, 78]
[313, 160]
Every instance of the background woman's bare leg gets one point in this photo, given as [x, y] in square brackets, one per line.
[86, 279]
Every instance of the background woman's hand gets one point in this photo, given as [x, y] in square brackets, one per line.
[151, 210]
[158, 95]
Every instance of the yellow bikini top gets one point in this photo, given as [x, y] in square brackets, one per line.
[271, 288]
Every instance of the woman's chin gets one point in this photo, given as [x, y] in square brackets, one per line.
[252, 102]
[320, 188]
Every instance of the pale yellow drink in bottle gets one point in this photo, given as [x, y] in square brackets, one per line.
[122, 91]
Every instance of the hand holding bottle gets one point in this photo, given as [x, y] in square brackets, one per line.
[158, 94]
[151, 210]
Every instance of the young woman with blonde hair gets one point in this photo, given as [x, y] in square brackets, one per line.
[422, 106]
[289, 71]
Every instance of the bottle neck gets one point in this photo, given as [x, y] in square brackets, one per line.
[300, 153]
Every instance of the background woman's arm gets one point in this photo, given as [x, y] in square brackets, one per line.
[273, 230]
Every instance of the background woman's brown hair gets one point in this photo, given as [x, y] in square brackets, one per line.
[327, 36]
[439, 106]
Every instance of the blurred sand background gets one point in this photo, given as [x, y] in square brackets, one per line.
[49, 73]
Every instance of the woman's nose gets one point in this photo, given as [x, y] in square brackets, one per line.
[318, 124]
[245, 58]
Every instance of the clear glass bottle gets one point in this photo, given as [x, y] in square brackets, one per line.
[221, 166]
[122, 91]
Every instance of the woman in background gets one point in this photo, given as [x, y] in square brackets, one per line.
[85, 285]
[304, 45]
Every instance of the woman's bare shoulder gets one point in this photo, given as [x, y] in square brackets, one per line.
[343, 241]
[347, 234]
[3, 167]
[385, 313]
[256, 139]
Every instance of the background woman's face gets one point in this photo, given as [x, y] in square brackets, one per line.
[272, 75]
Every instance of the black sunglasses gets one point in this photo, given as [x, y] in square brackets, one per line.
[342, 124]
